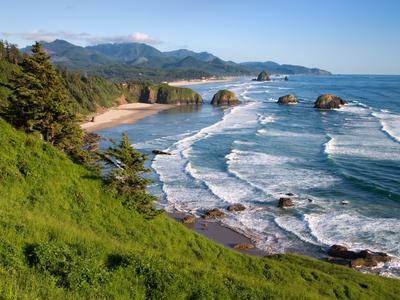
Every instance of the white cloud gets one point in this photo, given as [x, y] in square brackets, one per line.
[137, 37]
[42, 35]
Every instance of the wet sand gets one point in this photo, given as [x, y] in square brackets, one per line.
[215, 231]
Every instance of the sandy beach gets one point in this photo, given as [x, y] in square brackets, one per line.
[123, 114]
[199, 81]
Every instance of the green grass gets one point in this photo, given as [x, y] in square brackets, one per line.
[63, 235]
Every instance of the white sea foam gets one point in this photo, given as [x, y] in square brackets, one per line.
[260, 92]
[262, 131]
[274, 174]
[352, 229]
[329, 146]
[224, 186]
[390, 123]
[237, 142]
[362, 145]
[265, 119]
[354, 108]
[176, 172]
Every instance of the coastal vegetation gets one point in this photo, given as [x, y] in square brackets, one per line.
[72, 232]
[88, 93]
[167, 94]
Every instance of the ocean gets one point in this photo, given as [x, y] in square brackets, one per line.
[259, 151]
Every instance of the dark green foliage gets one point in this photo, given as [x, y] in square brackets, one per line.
[126, 177]
[7, 70]
[171, 95]
[90, 93]
[40, 103]
[10, 52]
[122, 73]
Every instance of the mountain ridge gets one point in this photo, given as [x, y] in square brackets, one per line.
[125, 56]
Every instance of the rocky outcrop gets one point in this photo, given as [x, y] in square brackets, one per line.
[236, 207]
[160, 152]
[287, 99]
[243, 246]
[263, 76]
[165, 94]
[189, 220]
[329, 101]
[213, 214]
[285, 203]
[354, 259]
[177, 95]
[225, 98]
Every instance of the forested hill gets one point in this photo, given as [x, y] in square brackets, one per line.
[122, 61]
[89, 93]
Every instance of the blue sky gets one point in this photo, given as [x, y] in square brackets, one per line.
[352, 36]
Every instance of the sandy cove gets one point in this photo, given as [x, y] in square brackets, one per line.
[123, 114]
[199, 81]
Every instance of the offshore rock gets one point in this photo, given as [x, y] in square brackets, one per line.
[287, 99]
[213, 214]
[285, 203]
[263, 76]
[236, 207]
[225, 98]
[329, 101]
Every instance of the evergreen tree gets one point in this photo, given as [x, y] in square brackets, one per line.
[14, 55]
[2, 50]
[126, 177]
[40, 103]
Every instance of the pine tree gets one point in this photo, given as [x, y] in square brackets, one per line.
[126, 177]
[2, 50]
[41, 103]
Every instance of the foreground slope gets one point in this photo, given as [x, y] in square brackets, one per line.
[63, 235]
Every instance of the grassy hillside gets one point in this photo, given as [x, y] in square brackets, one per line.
[63, 235]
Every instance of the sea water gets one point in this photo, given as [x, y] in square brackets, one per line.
[259, 151]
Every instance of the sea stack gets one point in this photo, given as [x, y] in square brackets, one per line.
[329, 101]
[263, 76]
[287, 99]
[225, 98]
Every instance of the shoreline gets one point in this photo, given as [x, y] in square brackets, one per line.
[219, 233]
[200, 81]
[228, 237]
[123, 114]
